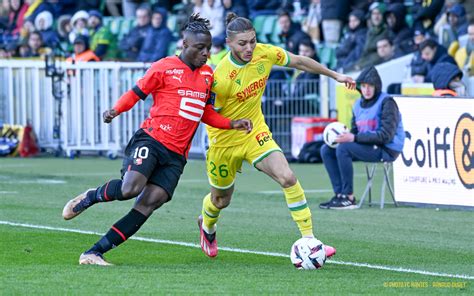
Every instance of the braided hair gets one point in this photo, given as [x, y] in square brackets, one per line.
[236, 24]
[197, 24]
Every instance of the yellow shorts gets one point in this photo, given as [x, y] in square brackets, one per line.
[224, 162]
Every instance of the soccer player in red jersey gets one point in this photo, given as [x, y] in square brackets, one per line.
[156, 155]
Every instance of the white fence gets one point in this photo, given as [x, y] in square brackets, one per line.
[26, 94]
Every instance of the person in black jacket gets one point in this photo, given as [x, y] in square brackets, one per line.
[398, 30]
[158, 38]
[434, 53]
[376, 135]
[353, 41]
[131, 44]
[291, 34]
[447, 81]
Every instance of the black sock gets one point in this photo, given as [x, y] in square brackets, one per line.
[111, 190]
[120, 232]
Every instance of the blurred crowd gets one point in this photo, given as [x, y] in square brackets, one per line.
[360, 32]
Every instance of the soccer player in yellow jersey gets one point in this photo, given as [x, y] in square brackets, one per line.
[239, 82]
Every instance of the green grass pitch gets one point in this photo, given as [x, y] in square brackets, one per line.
[391, 251]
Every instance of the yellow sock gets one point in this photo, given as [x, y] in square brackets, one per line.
[299, 209]
[210, 214]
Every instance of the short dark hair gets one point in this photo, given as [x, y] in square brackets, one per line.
[308, 43]
[197, 24]
[284, 12]
[236, 24]
[429, 43]
[389, 40]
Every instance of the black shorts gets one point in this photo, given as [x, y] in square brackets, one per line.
[149, 157]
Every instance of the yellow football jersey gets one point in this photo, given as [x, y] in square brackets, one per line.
[238, 88]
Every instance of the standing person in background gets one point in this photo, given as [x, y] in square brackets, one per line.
[131, 43]
[239, 83]
[157, 152]
[376, 135]
[158, 38]
[102, 41]
[353, 41]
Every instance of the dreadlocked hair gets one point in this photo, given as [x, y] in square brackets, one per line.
[197, 24]
[236, 24]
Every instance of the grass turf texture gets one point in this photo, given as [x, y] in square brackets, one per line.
[43, 261]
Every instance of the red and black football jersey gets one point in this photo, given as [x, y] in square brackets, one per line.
[179, 97]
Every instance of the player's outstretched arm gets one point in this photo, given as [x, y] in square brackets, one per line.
[125, 103]
[309, 65]
[214, 119]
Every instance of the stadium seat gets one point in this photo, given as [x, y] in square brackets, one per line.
[258, 23]
[268, 28]
[327, 55]
[370, 169]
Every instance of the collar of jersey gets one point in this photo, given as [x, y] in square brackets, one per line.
[235, 62]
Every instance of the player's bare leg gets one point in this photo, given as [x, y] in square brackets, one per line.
[276, 166]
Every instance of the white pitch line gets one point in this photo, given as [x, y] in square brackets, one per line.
[236, 250]
[35, 181]
[8, 192]
[305, 190]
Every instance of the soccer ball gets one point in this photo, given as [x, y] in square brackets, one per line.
[308, 253]
[333, 130]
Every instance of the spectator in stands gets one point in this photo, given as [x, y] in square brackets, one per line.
[426, 12]
[129, 7]
[218, 51]
[376, 32]
[451, 25]
[306, 82]
[290, 32]
[18, 9]
[434, 53]
[398, 30]
[36, 45]
[333, 14]
[418, 66]
[376, 135]
[385, 53]
[44, 24]
[312, 23]
[131, 44]
[263, 7]
[64, 26]
[102, 41]
[82, 53]
[353, 41]
[447, 81]
[213, 10]
[238, 7]
[465, 56]
[158, 38]
[79, 25]
[4, 54]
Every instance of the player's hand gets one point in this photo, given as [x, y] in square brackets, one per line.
[348, 81]
[345, 138]
[108, 115]
[242, 125]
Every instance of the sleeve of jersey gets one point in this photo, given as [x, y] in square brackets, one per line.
[280, 56]
[152, 80]
[126, 101]
[214, 119]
